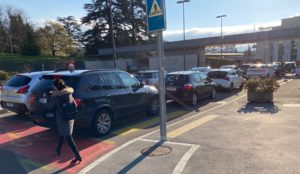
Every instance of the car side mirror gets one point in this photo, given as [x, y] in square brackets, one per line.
[141, 85]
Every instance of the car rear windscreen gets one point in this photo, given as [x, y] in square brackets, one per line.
[46, 83]
[18, 81]
[217, 74]
[177, 80]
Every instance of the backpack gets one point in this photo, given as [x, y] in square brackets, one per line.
[69, 110]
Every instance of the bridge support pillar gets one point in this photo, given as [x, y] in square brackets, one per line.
[275, 51]
[298, 50]
[287, 50]
[201, 59]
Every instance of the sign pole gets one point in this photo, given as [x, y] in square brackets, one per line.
[162, 92]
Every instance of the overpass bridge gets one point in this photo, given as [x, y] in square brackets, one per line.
[195, 48]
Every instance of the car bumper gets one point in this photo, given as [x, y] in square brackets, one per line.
[20, 108]
[181, 96]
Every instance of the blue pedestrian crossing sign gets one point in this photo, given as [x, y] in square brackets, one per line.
[156, 17]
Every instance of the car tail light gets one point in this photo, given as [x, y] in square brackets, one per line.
[1, 87]
[23, 90]
[77, 101]
[31, 100]
[227, 78]
[188, 87]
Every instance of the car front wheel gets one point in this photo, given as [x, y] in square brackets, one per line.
[102, 123]
[213, 93]
[194, 99]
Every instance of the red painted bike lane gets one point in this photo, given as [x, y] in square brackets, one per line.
[36, 146]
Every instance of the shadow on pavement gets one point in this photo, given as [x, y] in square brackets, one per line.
[262, 108]
[10, 163]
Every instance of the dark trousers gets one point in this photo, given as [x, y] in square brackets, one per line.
[71, 144]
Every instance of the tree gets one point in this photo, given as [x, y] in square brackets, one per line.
[54, 38]
[30, 45]
[129, 19]
[73, 29]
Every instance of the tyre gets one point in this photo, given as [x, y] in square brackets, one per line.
[194, 99]
[154, 107]
[241, 86]
[230, 87]
[213, 93]
[102, 123]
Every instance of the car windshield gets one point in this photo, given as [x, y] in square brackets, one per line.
[18, 81]
[46, 83]
[217, 74]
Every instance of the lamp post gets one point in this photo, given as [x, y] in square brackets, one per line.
[112, 35]
[221, 16]
[183, 15]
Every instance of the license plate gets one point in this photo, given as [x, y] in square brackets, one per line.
[171, 89]
[11, 105]
[43, 100]
[50, 115]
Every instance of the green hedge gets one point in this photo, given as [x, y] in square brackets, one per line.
[217, 62]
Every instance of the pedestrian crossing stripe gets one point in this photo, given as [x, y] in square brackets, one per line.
[155, 10]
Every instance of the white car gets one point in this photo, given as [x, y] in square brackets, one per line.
[150, 77]
[234, 67]
[260, 70]
[15, 93]
[204, 70]
[226, 78]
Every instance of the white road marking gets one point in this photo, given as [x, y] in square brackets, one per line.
[117, 149]
[184, 160]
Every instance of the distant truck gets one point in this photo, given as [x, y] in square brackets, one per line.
[260, 70]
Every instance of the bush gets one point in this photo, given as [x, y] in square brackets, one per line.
[262, 85]
[3, 75]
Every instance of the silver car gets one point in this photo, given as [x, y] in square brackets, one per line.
[150, 77]
[15, 94]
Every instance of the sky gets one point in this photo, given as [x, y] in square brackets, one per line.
[200, 15]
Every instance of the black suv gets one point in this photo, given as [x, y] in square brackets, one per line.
[103, 97]
[189, 86]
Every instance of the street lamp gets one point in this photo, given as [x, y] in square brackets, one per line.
[112, 35]
[221, 16]
[183, 14]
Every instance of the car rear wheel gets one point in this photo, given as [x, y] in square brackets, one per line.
[102, 123]
[242, 85]
[154, 107]
[194, 99]
[231, 87]
[213, 93]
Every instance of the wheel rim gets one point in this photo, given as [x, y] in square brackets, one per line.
[231, 87]
[155, 106]
[103, 123]
[194, 99]
[213, 93]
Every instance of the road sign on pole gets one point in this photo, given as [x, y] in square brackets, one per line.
[156, 17]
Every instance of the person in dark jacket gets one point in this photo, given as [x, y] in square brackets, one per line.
[63, 93]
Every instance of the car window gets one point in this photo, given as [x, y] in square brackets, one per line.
[112, 81]
[217, 74]
[18, 81]
[92, 81]
[128, 80]
[196, 78]
[202, 76]
[177, 80]
[46, 83]
[145, 75]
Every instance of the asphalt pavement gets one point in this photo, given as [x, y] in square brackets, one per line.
[233, 137]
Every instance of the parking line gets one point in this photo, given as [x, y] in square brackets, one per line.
[191, 126]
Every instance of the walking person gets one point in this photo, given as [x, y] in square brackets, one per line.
[63, 93]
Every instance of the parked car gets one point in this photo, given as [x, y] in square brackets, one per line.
[244, 68]
[103, 97]
[16, 91]
[150, 77]
[289, 67]
[278, 69]
[226, 78]
[189, 86]
[260, 70]
[203, 70]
